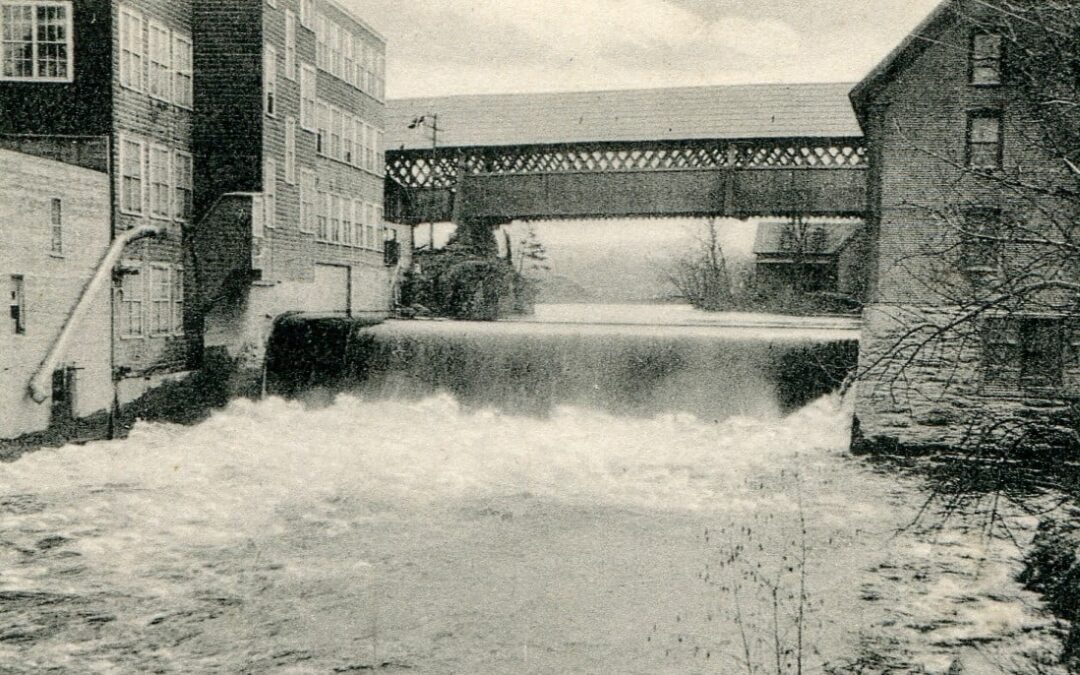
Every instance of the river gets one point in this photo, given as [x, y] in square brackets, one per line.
[389, 533]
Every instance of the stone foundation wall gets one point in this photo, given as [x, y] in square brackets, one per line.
[922, 386]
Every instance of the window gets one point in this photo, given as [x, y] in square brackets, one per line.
[307, 201]
[346, 222]
[321, 139]
[981, 239]
[18, 304]
[270, 193]
[984, 140]
[380, 75]
[335, 218]
[270, 79]
[131, 302]
[185, 186]
[307, 12]
[986, 58]
[349, 73]
[35, 41]
[349, 133]
[182, 71]
[290, 150]
[362, 150]
[1024, 351]
[290, 45]
[369, 213]
[160, 80]
[131, 176]
[308, 78]
[131, 49]
[380, 154]
[358, 223]
[161, 311]
[335, 133]
[160, 185]
[178, 301]
[320, 41]
[333, 51]
[56, 228]
[323, 206]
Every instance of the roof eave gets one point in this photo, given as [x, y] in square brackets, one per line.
[864, 92]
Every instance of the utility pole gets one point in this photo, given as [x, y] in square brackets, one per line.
[430, 121]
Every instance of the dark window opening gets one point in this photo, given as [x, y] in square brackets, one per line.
[981, 239]
[18, 304]
[63, 395]
[1024, 352]
[987, 50]
[984, 140]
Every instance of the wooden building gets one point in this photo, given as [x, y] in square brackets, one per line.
[798, 256]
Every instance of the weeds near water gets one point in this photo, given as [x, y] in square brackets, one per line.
[758, 592]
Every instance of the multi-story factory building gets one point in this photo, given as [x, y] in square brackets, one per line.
[245, 133]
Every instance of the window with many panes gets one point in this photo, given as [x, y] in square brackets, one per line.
[987, 57]
[1025, 351]
[56, 227]
[984, 147]
[36, 41]
[270, 193]
[270, 79]
[290, 45]
[131, 302]
[160, 184]
[335, 218]
[322, 223]
[307, 200]
[290, 150]
[183, 75]
[346, 222]
[358, 223]
[337, 124]
[322, 130]
[131, 175]
[131, 49]
[981, 238]
[308, 78]
[161, 311]
[178, 300]
[160, 59]
[183, 177]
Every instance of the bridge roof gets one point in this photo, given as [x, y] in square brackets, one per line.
[688, 113]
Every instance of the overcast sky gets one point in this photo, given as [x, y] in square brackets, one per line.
[439, 47]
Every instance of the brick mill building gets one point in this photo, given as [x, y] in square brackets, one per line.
[246, 134]
[956, 351]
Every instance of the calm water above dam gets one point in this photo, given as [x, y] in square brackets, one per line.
[507, 523]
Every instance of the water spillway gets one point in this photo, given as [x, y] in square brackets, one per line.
[709, 371]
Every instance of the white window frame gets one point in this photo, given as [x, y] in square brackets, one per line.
[178, 298]
[159, 37]
[308, 99]
[158, 303]
[322, 128]
[359, 229]
[69, 74]
[322, 216]
[134, 47]
[348, 64]
[160, 211]
[183, 72]
[348, 139]
[183, 183]
[270, 193]
[128, 304]
[290, 45]
[307, 9]
[290, 150]
[270, 92]
[308, 201]
[124, 140]
[346, 222]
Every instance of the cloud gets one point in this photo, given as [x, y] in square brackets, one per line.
[439, 47]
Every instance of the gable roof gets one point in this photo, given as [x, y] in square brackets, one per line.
[837, 235]
[903, 54]
[687, 113]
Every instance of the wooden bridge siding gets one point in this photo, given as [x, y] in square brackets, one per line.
[688, 193]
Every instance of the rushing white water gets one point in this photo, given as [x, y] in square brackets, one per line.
[421, 536]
